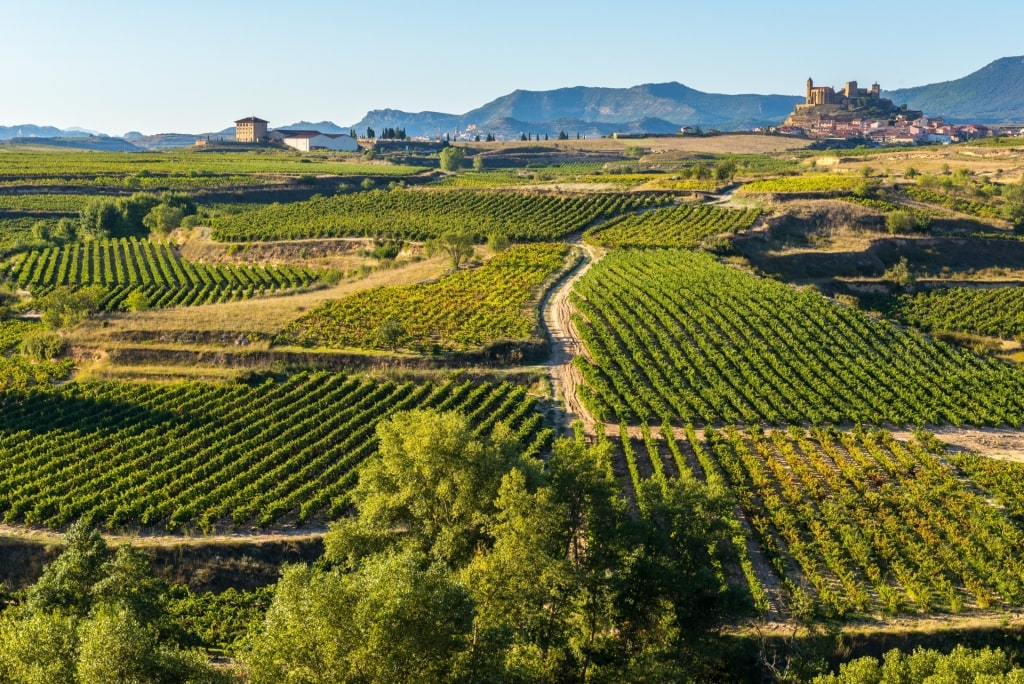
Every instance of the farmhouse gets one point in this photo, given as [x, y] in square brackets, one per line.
[251, 130]
[305, 141]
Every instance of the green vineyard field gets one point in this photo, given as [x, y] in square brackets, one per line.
[31, 166]
[423, 214]
[853, 522]
[676, 335]
[466, 309]
[812, 183]
[681, 226]
[205, 456]
[996, 312]
[127, 265]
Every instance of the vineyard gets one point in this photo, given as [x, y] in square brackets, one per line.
[463, 310]
[961, 204]
[861, 522]
[201, 456]
[675, 335]
[423, 214]
[812, 183]
[24, 166]
[679, 226]
[127, 265]
[996, 312]
[850, 522]
[49, 202]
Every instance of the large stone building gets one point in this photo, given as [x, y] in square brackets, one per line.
[251, 130]
[849, 96]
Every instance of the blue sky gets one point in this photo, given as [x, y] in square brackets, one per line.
[196, 66]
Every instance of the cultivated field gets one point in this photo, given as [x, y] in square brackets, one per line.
[811, 354]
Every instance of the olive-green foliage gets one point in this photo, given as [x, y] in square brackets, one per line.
[528, 572]
[452, 158]
[163, 218]
[457, 245]
[42, 345]
[434, 480]
[136, 301]
[65, 306]
[397, 619]
[905, 221]
[105, 217]
[95, 616]
[1013, 203]
[928, 665]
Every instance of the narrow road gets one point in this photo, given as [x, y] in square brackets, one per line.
[566, 345]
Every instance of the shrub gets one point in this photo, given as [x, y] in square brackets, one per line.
[42, 345]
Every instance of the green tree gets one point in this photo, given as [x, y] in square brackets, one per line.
[458, 245]
[37, 647]
[137, 300]
[65, 307]
[497, 242]
[899, 274]
[67, 583]
[452, 158]
[163, 218]
[394, 619]
[725, 170]
[1013, 203]
[42, 345]
[94, 616]
[478, 163]
[432, 486]
[99, 218]
[905, 221]
[391, 333]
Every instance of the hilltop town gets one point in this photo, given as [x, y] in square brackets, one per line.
[862, 113]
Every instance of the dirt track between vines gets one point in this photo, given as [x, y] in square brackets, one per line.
[566, 345]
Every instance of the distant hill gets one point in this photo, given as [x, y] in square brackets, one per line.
[992, 95]
[98, 143]
[323, 127]
[30, 131]
[654, 108]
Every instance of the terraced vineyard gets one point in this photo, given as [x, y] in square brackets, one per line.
[423, 214]
[127, 265]
[41, 167]
[195, 455]
[997, 312]
[680, 226]
[463, 310]
[676, 335]
[810, 183]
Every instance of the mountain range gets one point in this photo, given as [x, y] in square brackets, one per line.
[992, 95]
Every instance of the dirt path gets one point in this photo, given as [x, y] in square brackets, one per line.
[566, 344]
[1000, 443]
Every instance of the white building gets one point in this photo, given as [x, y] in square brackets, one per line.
[304, 141]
